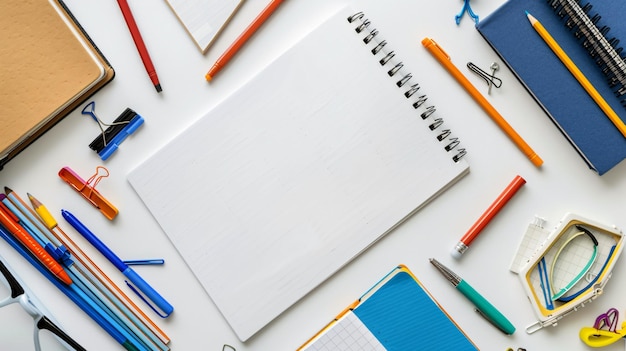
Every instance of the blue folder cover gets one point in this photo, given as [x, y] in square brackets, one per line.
[397, 312]
[583, 123]
[403, 316]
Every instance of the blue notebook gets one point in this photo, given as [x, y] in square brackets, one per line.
[581, 121]
[395, 314]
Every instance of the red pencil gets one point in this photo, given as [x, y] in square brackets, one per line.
[141, 47]
[482, 222]
[243, 37]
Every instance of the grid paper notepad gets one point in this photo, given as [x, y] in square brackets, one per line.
[348, 334]
[291, 177]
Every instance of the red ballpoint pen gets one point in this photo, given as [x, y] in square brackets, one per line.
[141, 47]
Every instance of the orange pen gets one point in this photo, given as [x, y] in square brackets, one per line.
[243, 37]
[8, 220]
[445, 61]
[487, 216]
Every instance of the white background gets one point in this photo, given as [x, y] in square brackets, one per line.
[563, 184]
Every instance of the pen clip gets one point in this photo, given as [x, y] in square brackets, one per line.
[432, 45]
[490, 320]
[60, 254]
[159, 312]
[152, 261]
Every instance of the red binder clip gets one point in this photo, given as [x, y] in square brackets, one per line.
[88, 189]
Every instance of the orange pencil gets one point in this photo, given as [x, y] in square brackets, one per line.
[445, 61]
[243, 37]
[32, 245]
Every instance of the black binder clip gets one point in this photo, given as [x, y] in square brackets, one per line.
[110, 139]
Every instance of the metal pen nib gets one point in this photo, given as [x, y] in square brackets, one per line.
[451, 276]
[484, 307]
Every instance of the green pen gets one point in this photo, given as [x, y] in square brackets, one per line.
[483, 306]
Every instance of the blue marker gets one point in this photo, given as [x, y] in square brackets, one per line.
[141, 284]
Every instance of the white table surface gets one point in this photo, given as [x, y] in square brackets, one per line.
[563, 184]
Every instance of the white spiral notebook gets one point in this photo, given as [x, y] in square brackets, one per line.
[313, 160]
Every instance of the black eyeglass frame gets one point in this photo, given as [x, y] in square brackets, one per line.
[41, 321]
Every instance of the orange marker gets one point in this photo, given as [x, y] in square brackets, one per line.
[10, 223]
[243, 37]
[445, 61]
[486, 217]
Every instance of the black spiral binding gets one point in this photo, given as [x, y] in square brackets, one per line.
[606, 52]
[449, 143]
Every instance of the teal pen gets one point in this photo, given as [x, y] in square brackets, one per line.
[483, 306]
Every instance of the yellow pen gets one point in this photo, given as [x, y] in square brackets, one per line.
[445, 61]
[580, 77]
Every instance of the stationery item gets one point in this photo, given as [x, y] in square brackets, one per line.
[109, 141]
[88, 189]
[549, 264]
[204, 19]
[76, 295]
[604, 331]
[243, 38]
[602, 49]
[446, 62]
[466, 8]
[19, 293]
[153, 261]
[141, 46]
[121, 300]
[487, 216]
[397, 313]
[484, 307]
[580, 77]
[10, 222]
[294, 186]
[165, 308]
[77, 280]
[76, 269]
[557, 92]
[491, 79]
[584, 270]
[49, 67]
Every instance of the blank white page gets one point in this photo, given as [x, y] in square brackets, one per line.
[204, 19]
[295, 174]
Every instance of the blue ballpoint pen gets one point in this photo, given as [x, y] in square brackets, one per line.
[483, 306]
[141, 284]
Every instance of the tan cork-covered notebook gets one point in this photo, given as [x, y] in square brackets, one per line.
[48, 67]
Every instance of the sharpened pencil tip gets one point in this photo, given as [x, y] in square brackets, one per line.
[158, 88]
[7, 190]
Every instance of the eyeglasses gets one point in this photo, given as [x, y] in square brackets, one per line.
[16, 294]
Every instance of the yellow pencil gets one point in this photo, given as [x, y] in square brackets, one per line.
[580, 77]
